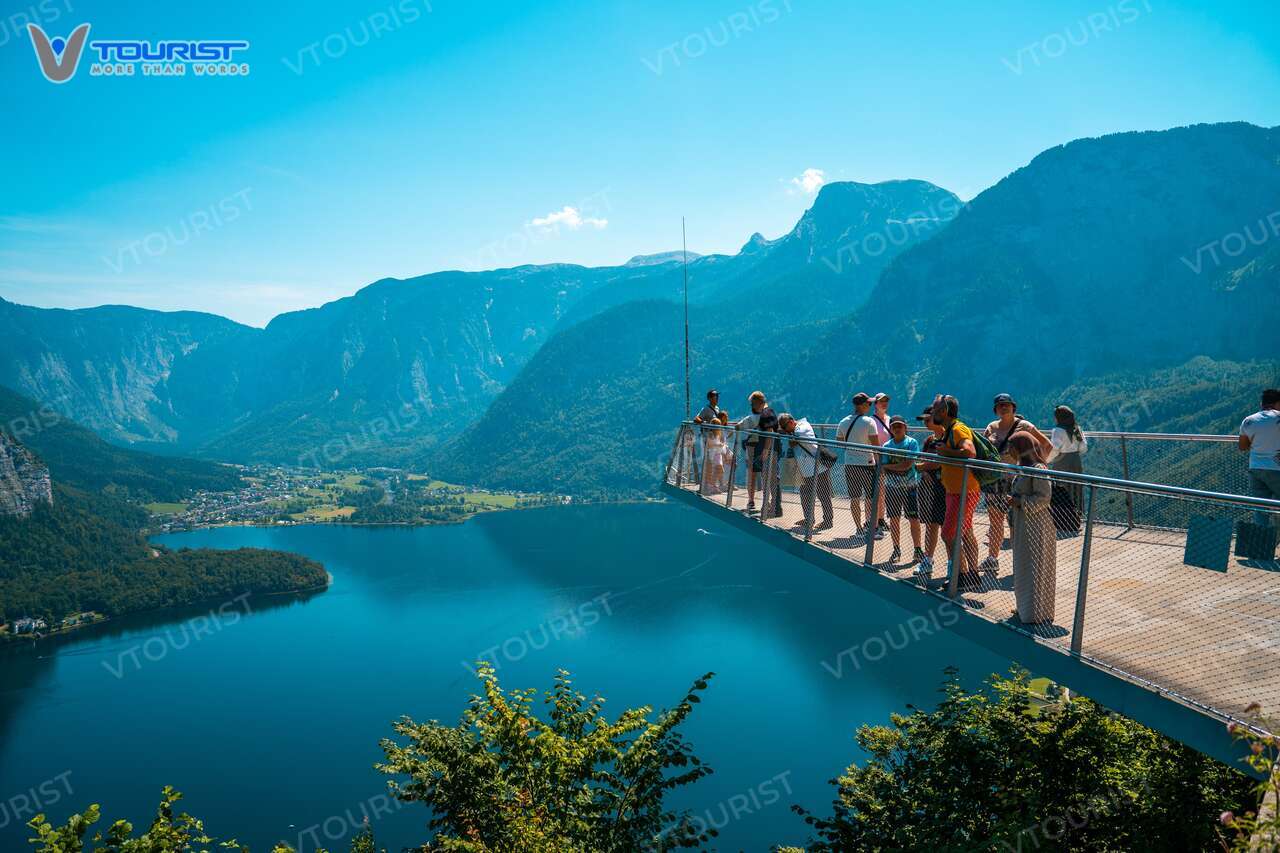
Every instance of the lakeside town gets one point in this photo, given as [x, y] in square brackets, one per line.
[279, 495]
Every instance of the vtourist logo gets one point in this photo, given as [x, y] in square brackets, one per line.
[59, 58]
[157, 648]
[25, 805]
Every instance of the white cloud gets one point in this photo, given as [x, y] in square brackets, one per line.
[809, 181]
[571, 218]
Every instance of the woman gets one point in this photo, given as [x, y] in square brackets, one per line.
[1035, 543]
[930, 495]
[713, 453]
[1069, 448]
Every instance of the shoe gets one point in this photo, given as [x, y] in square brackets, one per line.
[925, 568]
[826, 525]
[918, 556]
[880, 533]
[751, 508]
[991, 564]
[895, 556]
[884, 525]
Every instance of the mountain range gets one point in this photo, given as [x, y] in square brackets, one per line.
[1146, 254]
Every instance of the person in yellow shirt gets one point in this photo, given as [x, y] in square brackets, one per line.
[961, 486]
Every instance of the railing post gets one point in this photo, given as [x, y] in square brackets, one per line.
[957, 538]
[873, 527]
[733, 469]
[1082, 589]
[673, 461]
[1124, 466]
[680, 453]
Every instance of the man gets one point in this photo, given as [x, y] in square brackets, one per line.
[710, 414]
[763, 456]
[815, 467]
[860, 464]
[880, 414]
[932, 497]
[1260, 436]
[961, 487]
[998, 432]
[901, 479]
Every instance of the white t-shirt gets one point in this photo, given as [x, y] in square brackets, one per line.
[857, 429]
[1263, 430]
[1064, 442]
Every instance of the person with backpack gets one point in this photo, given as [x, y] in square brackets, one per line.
[1260, 436]
[962, 487]
[998, 432]
[859, 464]
[814, 462]
[880, 414]
[930, 496]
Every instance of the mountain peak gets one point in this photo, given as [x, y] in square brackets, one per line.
[660, 258]
[755, 245]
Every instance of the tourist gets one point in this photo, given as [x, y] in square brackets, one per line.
[726, 451]
[998, 432]
[961, 487]
[814, 464]
[713, 453]
[710, 414]
[768, 460]
[901, 479]
[880, 413]
[859, 464]
[930, 495]
[1069, 448]
[1260, 435]
[1035, 545]
[751, 445]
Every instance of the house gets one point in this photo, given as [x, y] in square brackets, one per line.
[27, 625]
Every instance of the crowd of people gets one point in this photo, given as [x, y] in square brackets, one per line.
[936, 497]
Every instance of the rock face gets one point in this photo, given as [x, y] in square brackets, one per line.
[24, 480]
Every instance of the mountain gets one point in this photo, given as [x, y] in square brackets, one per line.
[385, 375]
[677, 257]
[116, 368]
[593, 411]
[1129, 251]
[78, 457]
[590, 413]
[1101, 265]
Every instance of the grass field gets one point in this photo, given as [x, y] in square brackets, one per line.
[165, 508]
[486, 499]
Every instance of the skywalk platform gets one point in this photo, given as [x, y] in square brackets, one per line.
[1179, 648]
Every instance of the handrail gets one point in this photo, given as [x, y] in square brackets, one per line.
[1145, 436]
[1135, 486]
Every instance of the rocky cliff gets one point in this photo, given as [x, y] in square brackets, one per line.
[24, 479]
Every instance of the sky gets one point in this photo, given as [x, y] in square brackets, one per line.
[398, 138]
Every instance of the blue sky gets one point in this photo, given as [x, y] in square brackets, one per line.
[457, 136]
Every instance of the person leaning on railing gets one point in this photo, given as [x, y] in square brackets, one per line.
[1035, 541]
[931, 497]
[860, 465]
[814, 463]
[1260, 435]
[961, 486]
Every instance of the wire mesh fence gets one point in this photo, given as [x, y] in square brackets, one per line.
[1174, 587]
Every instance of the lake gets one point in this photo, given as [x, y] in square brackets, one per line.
[267, 713]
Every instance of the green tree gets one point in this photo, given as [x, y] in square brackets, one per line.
[999, 769]
[504, 779]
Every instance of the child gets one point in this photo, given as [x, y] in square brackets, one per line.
[715, 450]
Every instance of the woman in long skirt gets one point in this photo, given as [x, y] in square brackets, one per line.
[1035, 542]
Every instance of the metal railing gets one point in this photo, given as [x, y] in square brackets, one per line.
[1140, 578]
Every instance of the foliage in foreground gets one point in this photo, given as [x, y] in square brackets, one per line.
[996, 770]
[1257, 830]
[504, 779]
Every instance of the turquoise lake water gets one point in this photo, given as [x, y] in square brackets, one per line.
[267, 713]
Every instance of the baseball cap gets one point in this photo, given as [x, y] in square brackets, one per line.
[880, 396]
[860, 398]
[897, 419]
[926, 415]
[1003, 398]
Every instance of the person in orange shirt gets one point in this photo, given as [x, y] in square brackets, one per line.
[961, 486]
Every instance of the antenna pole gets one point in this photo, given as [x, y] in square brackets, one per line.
[684, 244]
